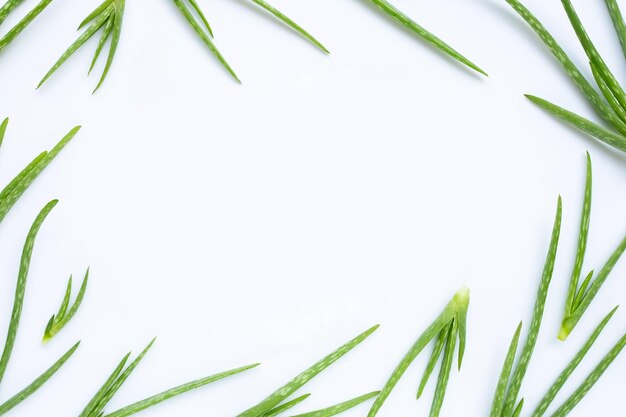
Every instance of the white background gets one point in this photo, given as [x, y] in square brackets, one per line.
[273, 221]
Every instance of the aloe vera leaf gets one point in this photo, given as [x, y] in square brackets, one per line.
[103, 38]
[505, 374]
[86, 35]
[205, 38]
[582, 241]
[458, 303]
[609, 137]
[7, 8]
[22, 24]
[286, 20]
[593, 54]
[91, 405]
[340, 408]
[434, 358]
[20, 289]
[572, 71]
[518, 409]
[37, 383]
[115, 386]
[3, 129]
[462, 298]
[444, 373]
[286, 406]
[591, 379]
[583, 290]
[571, 367]
[200, 14]
[607, 93]
[181, 389]
[118, 17]
[618, 22]
[64, 315]
[16, 188]
[296, 383]
[570, 322]
[104, 8]
[535, 325]
[439, 44]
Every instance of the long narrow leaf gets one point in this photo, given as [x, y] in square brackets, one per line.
[444, 373]
[607, 136]
[20, 289]
[64, 315]
[204, 37]
[572, 71]
[108, 27]
[118, 17]
[505, 374]
[618, 22]
[37, 383]
[7, 8]
[571, 367]
[591, 379]
[181, 389]
[286, 20]
[286, 406]
[3, 129]
[434, 358]
[406, 21]
[104, 9]
[84, 37]
[340, 408]
[296, 383]
[22, 24]
[93, 403]
[201, 15]
[537, 317]
[607, 93]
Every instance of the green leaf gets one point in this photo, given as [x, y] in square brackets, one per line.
[204, 37]
[286, 406]
[20, 289]
[103, 38]
[570, 322]
[547, 399]
[607, 93]
[572, 71]
[454, 309]
[444, 373]
[7, 8]
[582, 241]
[296, 383]
[118, 17]
[98, 22]
[583, 290]
[505, 374]
[200, 14]
[340, 408]
[396, 14]
[17, 187]
[537, 317]
[607, 136]
[59, 321]
[93, 403]
[3, 129]
[103, 10]
[181, 389]
[618, 22]
[593, 54]
[37, 383]
[591, 379]
[286, 20]
[22, 24]
[434, 358]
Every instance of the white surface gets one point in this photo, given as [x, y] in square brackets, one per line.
[275, 220]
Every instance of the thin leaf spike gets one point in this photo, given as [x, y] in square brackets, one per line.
[340, 408]
[173, 392]
[118, 17]
[286, 406]
[515, 384]
[21, 286]
[607, 136]
[286, 20]
[505, 374]
[3, 129]
[455, 309]
[518, 409]
[618, 22]
[591, 379]
[106, 32]
[23, 24]
[444, 373]
[547, 399]
[282, 393]
[93, 403]
[434, 358]
[406, 21]
[37, 383]
[58, 321]
[582, 291]
[103, 9]
[202, 17]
